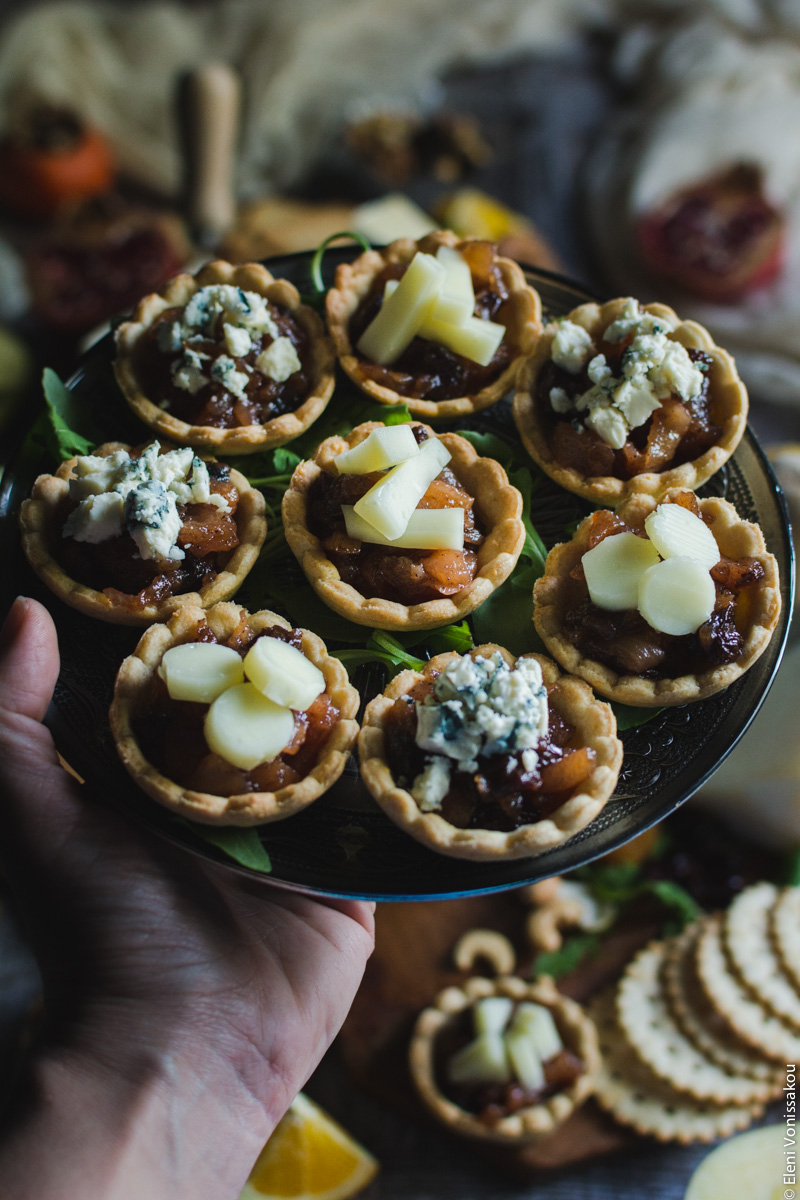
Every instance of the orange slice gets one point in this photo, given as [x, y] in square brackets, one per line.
[309, 1157]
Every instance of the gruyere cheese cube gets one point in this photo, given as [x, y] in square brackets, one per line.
[427, 529]
[457, 297]
[381, 449]
[403, 311]
[677, 531]
[200, 671]
[614, 568]
[389, 504]
[677, 596]
[246, 728]
[476, 339]
[283, 673]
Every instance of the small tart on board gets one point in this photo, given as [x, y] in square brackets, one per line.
[650, 457]
[318, 361]
[139, 688]
[527, 1124]
[497, 506]
[42, 519]
[516, 305]
[593, 728]
[757, 607]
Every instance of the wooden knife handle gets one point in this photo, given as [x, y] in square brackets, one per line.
[210, 103]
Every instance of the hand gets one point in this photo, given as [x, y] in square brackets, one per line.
[186, 993]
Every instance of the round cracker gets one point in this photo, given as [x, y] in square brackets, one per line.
[785, 930]
[701, 1023]
[630, 1092]
[749, 1019]
[645, 1018]
[748, 945]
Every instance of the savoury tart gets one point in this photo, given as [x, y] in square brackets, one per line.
[431, 380]
[618, 653]
[161, 742]
[439, 586]
[529, 1117]
[107, 576]
[227, 359]
[619, 397]
[503, 805]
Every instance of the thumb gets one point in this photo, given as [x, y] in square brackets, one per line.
[30, 775]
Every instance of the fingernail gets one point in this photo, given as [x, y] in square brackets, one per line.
[14, 621]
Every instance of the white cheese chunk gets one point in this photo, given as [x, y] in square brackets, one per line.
[609, 424]
[432, 784]
[491, 1014]
[93, 474]
[676, 596]
[96, 519]
[153, 521]
[524, 1059]
[572, 347]
[402, 313]
[246, 728]
[237, 340]
[200, 671]
[427, 529]
[614, 569]
[279, 361]
[457, 295]
[389, 504]
[283, 673]
[224, 371]
[537, 1021]
[476, 338]
[483, 1060]
[675, 530]
[380, 449]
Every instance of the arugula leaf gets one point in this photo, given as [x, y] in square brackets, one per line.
[62, 439]
[628, 716]
[572, 953]
[383, 648]
[242, 845]
[622, 883]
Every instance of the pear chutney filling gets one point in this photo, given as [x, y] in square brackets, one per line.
[229, 358]
[629, 402]
[479, 744]
[144, 527]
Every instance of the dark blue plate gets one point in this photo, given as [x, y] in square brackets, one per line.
[343, 845]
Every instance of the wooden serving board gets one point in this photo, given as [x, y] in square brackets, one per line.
[412, 962]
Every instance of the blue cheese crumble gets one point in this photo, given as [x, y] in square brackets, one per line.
[279, 361]
[652, 367]
[479, 707]
[118, 494]
[245, 317]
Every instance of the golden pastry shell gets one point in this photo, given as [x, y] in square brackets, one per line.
[736, 539]
[728, 405]
[595, 727]
[245, 439]
[578, 1034]
[137, 676]
[521, 315]
[42, 517]
[498, 504]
